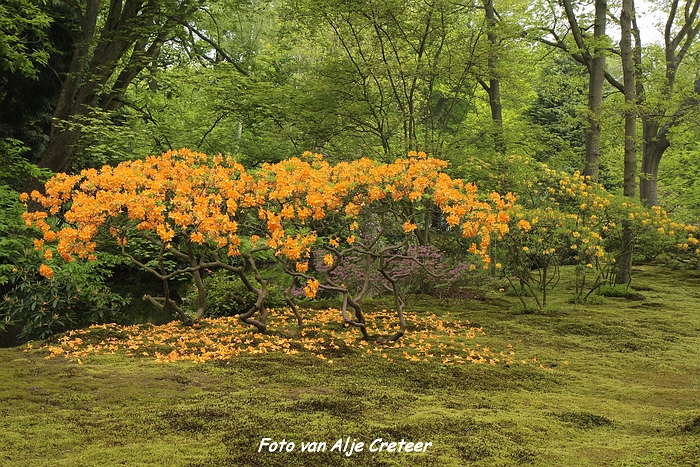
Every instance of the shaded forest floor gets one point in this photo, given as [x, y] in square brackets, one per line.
[611, 384]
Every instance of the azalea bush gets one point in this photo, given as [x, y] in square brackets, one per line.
[567, 219]
[662, 238]
[400, 200]
[33, 305]
[209, 213]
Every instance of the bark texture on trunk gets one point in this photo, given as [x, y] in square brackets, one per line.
[116, 40]
[655, 145]
[595, 93]
[494, 86]
[624, 272]
[681, 31]
[593, 56]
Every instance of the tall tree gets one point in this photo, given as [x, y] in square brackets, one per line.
[493, 87]
[113, 42]
[629, 72]
[661, 114]
[112, 45]
[592, 54]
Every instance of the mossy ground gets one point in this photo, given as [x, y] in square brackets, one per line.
[629, 395]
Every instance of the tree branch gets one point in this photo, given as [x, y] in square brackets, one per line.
[216, 46]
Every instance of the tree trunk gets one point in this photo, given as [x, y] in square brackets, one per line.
[624, 272]
[494, 86]
[595, 92]
[111, 48]
[60, 151]
[57, 155]
[679, 37]
[629, 79]
[655, 145]
[499, 141]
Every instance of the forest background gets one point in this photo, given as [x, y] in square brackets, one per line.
[493, 87]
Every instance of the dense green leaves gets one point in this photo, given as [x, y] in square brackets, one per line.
[23, 46]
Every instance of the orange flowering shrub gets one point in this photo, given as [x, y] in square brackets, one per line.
[183, 202]
[209, 213]
[371, 210]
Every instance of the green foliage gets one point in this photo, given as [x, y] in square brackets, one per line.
[558, 113]
[679, 175]
[264, 81]
[14, 168]
[14, 239]
[227, 295]
[75, 296]
[107, 138]
[23, 27]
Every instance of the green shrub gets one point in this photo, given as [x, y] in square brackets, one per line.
[14, 236]
[75, 296]
[15, 170]
[228, 296]
[615, 290]
[33, 306]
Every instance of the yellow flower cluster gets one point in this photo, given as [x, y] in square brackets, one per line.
[311, 288]
[583, 214]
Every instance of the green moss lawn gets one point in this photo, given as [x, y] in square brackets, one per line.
[615, 383]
